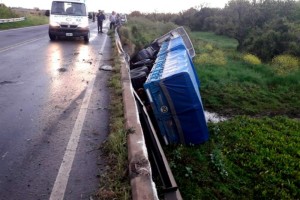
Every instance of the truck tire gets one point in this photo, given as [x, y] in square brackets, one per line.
[52, 37]
[140, 69]
[138, 79]
[87, 38]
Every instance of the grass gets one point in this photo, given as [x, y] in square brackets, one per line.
[238, 87]
[114, 182]
[140, 32]
[245, 158]
[6, 13]
[219, 41]
[255, 154]
[30, 20]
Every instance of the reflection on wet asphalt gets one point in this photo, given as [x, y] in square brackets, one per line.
[42, 85]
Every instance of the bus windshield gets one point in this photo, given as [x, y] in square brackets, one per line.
[68, 8]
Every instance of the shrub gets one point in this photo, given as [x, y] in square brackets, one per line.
[216, 57]
[285, 64]
[7, 13]
[141, 32]
[251, 59]
[126, 39]
[219, 57]
[208, 47]
[203, 58]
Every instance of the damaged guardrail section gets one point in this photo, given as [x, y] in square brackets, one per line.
[2, 21]
[142, 185]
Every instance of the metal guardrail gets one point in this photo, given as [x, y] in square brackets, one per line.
[140, 173]
[154, 149]
[157, 155]
[3, 21]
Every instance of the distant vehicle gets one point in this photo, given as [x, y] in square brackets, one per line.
[69, 18]
[47, 13]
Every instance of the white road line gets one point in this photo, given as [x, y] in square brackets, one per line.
[4, 155]
[19, 44]
[28, 27]
[60, 185]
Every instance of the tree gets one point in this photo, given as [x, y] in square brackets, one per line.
[278, 37]
[204, 19]
[136, 14]
[239, 18]
[186, 17]
[265, 28]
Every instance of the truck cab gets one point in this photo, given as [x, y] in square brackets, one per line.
[69, 18]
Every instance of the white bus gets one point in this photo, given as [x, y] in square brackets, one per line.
[69, 18]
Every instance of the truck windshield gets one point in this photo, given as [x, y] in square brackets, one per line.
[68, 8]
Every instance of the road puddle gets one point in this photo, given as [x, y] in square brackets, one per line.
[106, 68]
[11, 83]
[213, 117]
[62, 69]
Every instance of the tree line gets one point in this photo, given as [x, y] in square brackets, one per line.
[265, 28]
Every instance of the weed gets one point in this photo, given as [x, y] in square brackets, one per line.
[285, 64]
[248, 159]
[139, 32]
[216, 159]
[6, 13]
[221, 42]
[114, 183]
[216, 57]
[251, 59]
[208, 47]
[189, 172]
[244, 88]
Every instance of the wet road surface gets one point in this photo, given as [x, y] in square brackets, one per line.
[53, 114]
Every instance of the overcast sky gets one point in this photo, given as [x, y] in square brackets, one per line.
[125, 6]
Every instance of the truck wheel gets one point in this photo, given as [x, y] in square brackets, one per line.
[52, 37]
[87, 38]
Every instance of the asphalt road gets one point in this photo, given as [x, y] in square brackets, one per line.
[53, 114]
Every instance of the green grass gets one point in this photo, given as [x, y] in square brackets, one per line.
[238, 87]
[114, 183]
[245, 158]
[219, 41]
[6, 13]
[141, 32]
[31, 20]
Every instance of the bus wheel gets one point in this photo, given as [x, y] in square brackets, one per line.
[52, 37]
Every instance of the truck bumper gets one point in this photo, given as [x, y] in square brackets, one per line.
[69, 32]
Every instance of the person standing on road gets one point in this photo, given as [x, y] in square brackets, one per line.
[94, 15]
[100, 19]
[118, 20]
[112, 19]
